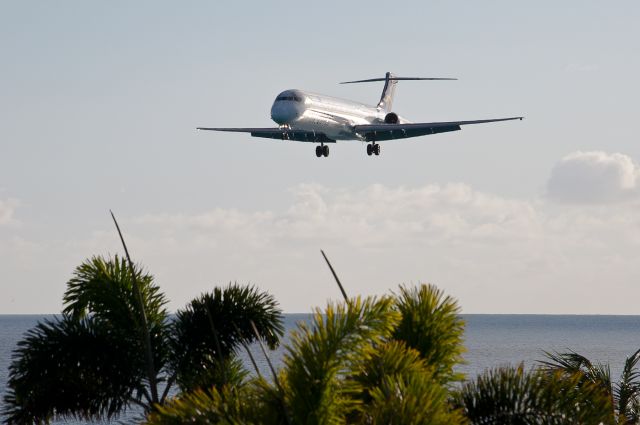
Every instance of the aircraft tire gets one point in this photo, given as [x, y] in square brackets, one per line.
[376, 149]
[319, 151]
[369, 150]
[325, 150]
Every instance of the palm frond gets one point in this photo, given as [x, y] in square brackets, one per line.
[414, 400]
[627, 392]
[391, 358]
[431, 324]
[510, 395]
[570, 362]
[399, 388]
[214, 325]
[224, 406]
[320, 356]
[104, 289]
[70, 368]
[573, 363]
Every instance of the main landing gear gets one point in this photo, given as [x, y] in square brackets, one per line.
[322, 150]
[373, 149]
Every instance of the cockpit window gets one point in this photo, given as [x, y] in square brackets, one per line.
[294, 98]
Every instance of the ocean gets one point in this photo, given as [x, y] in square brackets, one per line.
[491, 340]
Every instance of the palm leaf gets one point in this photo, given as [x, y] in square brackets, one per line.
[322, 355]
[573, 363]
[399, 388]
[104, 289]
[226, 406]
[431, 324]
[214, 325]
[627, 392]
[511, 395]
[70, 368]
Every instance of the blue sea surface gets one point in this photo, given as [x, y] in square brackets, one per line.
[491, 340]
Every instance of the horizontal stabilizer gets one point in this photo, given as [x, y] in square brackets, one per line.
[371, 80]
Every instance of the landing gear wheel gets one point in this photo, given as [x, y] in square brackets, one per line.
[376, 149]
[369, 150]
[318, 151]
[325, 150]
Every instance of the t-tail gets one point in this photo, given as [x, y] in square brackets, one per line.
[389, 90]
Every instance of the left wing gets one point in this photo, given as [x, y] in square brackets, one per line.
[377, 132]
[279, 133]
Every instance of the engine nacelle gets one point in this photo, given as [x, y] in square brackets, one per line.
[391, 118]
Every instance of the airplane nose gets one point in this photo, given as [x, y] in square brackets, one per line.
[284, 112]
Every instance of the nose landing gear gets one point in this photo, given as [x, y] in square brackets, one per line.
[322, 150]
[373, 149]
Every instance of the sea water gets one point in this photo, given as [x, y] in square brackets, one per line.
[490, 340]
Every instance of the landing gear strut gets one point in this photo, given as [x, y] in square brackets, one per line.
[373, 149]
[322, 150]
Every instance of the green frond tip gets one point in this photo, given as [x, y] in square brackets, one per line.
[431, 324]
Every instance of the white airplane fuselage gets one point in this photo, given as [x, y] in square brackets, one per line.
[314, 118]
[302, 110]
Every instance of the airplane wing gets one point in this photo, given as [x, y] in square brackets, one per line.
[279, 133]
[378, 132]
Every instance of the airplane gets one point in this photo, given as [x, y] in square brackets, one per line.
[308, 117]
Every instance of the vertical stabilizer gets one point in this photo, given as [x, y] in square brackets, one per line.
[390, 81]
[386, 99]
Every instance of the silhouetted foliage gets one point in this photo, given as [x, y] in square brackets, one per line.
[624, 394]
[513, 396]
[71, 368]
[386, 360]
[91, 364]
[343, 367]
[211, 328]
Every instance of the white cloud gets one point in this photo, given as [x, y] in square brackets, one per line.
[496, 254]
[590, 177]
[7, 209]
[374, 216]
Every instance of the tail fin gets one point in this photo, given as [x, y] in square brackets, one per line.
[389, 90]
[390, 82]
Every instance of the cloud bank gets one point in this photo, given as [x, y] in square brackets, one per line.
[496, 254]
[574, 250]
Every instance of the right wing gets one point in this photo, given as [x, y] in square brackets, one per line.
[279, 133]
[378, 132]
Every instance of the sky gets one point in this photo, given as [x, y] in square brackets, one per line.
[98, 107]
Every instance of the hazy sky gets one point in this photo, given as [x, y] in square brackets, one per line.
[98, 107]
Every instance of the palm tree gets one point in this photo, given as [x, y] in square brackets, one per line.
[115, 345]
[354, 363]
[513, 396]
[624, 394]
